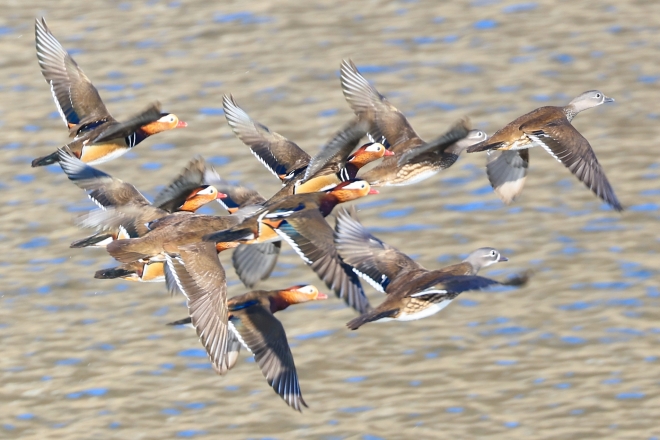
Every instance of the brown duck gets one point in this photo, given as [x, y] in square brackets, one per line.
[550, 128]
[223, 325]
[413, 160]
[413, 292]
[97, 136]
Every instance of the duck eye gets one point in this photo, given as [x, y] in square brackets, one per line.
[493, 253]
[597, 95]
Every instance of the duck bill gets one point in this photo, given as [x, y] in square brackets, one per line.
[221, 195]
[503, 259]
[181, 124]
[608, 99]
[373, 191]
[321, 296]
[388, 153]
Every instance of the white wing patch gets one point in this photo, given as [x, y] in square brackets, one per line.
[427, 292]
[294, 246]
[57, 103]
[238, 335]
[370, 280]
[537, 141]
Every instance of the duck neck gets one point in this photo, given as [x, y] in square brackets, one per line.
[570, 112]
[277, 302]
[328, 203]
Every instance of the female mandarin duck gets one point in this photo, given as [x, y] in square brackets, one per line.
[413, 292]
[550, 128]
[97, 136]
[298, 171]
[413, 159]
[264, 226]
[223, 325]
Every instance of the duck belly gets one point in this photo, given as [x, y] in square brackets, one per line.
[425, 313]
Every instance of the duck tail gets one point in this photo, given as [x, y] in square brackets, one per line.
[483, 146]
[230, 235]
[184, 321]
[45, 160]
[113, 272]
[129, 250]
[373, 315]
[92, 240]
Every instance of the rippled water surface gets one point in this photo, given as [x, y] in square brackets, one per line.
[573, 355]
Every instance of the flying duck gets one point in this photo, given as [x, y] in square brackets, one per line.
[548, 127]
[413, 292]
[223, 324]
[97, 136]
[413, 159]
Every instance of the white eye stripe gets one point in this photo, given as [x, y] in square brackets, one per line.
[208, 190]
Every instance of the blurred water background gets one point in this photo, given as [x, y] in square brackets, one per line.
[573, 355]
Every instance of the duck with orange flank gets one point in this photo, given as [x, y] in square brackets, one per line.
[298, 171]
[414, 160]
[97, 136]
[223, 324]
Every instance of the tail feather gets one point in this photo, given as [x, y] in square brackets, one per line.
[371, 316]
[184, 321]
[519, 279]
[129, 250]
[112, 273]
[92, 240]
[484, 146]
[230, 235]
[45, 160]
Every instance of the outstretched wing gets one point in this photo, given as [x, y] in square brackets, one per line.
[569, 147]
[277, 153]
[374, 260]
[311, 237]
[385, 119]
[76, 98]
[264, 336]
[334, 154]
[201, 278]
[507, 171]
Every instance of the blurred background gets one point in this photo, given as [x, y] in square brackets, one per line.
[572, 355]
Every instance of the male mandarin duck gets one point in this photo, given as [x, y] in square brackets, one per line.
[187, 192]
[97, 136]
[413, 292]
[298, 171]
[264, 224]
[413, 159]
[550, 128]
[223, 324]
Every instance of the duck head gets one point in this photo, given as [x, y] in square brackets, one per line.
[295, 295]
[368, 153]
[200, 197]
[587, 100]
[167, 121]
[351, 190]
[484, 257]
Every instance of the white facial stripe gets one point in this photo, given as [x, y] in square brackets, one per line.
[205, 191]
[356, 185]
[375, 148]
[167, 118]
